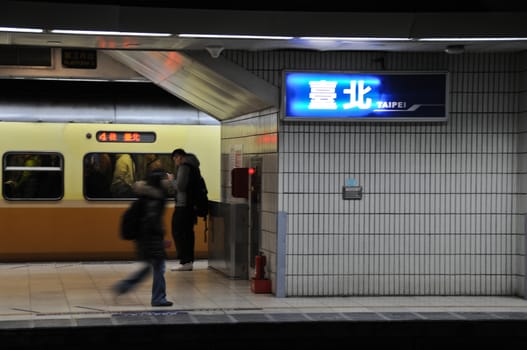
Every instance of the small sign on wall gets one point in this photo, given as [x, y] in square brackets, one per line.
[351, 192]
[80, 59]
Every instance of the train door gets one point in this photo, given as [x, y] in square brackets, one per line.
[255, 212]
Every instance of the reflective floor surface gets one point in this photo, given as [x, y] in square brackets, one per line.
[80, 290]
[78, 295]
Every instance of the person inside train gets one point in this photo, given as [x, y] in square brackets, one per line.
[152, 162]
[150, 244]
[184, 218]
[123, 176]
[27, 183]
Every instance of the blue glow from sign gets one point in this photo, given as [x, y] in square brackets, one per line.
[310, 95]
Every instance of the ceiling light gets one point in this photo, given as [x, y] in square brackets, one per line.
[337, 38]
[21, 30]
[105, 32]
[235, 36]
[68, 79]
[474, 39]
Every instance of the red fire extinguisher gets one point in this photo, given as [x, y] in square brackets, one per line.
[260, 262]
[259, 284]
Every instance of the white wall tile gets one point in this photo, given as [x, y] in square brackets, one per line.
[440, 201]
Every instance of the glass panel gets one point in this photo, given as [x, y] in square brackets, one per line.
[111, 175]
[33, 176]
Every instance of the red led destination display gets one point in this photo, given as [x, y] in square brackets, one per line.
[126, 136]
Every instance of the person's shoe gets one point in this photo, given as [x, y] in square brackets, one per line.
[183, 267]
[163, 303]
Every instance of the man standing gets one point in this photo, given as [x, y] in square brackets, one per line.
[184, 217]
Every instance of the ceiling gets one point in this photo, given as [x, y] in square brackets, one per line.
[175, 62]
[387, 25]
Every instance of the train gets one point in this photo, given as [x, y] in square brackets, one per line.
[62, 197]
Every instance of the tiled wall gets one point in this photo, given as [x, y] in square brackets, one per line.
[521, 242]
[442, 211]
[252, 136]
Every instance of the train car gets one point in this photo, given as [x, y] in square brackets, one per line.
[63, 185]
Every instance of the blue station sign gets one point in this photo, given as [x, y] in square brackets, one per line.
[348, 96]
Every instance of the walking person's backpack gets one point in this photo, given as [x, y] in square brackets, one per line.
[198, 194]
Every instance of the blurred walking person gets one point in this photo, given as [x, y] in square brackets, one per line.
[150, 244]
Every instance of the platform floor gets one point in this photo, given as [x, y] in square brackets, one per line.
[36, 298]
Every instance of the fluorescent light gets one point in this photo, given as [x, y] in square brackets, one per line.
[336, 38]
[133, 80]
[21, 30]
[105, 32]
[69, 79]
[342, 38]
[235, 36]
[473, 39]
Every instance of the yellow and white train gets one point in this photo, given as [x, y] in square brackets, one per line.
[59, 198]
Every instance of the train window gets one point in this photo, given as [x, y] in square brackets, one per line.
[33, 176]
[111, 175]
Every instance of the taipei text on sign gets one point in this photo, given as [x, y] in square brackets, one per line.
[365, 96]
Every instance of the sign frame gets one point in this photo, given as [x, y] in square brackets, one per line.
[405, 111]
